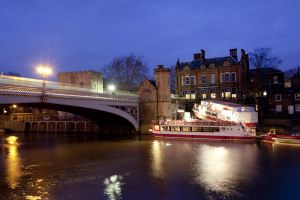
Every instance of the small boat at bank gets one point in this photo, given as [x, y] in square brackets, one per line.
[271, 136]
[197, 129]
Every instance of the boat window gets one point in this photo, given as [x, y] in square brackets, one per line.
[185, 129]
[205, 129]
[211, 129]
[217, 129]
[197, 129]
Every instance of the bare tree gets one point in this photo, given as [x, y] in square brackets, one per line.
[127, 72]
[263, 58]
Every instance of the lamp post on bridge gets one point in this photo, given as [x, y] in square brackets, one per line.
[44, 71]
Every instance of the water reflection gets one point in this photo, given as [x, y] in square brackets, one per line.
[157, 168]
[216, 170]
[113, 188]
[13, 163]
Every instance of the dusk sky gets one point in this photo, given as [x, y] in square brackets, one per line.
[87, 34]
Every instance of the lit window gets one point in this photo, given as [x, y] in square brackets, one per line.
[227, 77]
[227, 93]
[193, 96]
[187, 80]
[203, 94]
[297, 96]
[233, 76]
[182, 80]
[213, 95]
[213, 78]
[187, 96]
[278, 108]
[233, 91]
[278, 97]
[193, 80]
[203, 79]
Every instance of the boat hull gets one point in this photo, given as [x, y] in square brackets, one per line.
[203, 136]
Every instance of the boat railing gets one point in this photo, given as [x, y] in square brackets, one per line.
[197, 123]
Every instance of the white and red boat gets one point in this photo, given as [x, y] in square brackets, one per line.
[216, 110]
[202, 130]
[271, 136]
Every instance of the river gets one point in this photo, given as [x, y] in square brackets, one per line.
[87, 167]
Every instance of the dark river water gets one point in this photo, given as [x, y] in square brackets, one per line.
[87, 167]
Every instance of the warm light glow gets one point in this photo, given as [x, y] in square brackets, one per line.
[14, 106]
[265, 93]
[157, 160]
[4, 111]
[44, 71]
[111, 88]
[13, 162]
[156, 127]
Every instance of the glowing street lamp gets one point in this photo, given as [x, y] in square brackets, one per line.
[111, 88]
[14, 106]
[44, 71]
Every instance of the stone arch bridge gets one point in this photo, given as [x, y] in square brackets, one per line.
[112, 108]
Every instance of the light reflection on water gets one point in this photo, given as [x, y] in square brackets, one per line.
[214, 168]
[113, 188]
[13, 162]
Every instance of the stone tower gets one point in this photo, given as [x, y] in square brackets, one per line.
[162, 79]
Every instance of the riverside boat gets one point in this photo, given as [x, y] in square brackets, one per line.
[202, 130]
[214, 110]
[272, 136]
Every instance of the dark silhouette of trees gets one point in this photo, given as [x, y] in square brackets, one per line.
[126, 72]
[263, 58]
[11, 74]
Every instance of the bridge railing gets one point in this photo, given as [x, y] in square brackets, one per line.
[27, 86]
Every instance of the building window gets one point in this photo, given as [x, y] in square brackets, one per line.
[193, 80]
[81, 83]
[233, 91]
[227, 77]
[187, 96]
[275, 79]
[182, 80]
[212, 65]
[297, 107]
[203, 94]
[213, 78]
[213, 93]
[193, 95]
[278, 97]
[187, 80]
[297, 96]
[221, 77]
[227, 93]
[203, 79]
[202, 66]
[233, 76]
[222, 93]
[278, 108]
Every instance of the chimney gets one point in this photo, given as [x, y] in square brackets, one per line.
[233, 53]
[202, 58]
[243, 52]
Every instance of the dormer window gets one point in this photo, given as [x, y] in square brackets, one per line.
[212, 65]
[202, 66]
[226, 63]
[187, 67]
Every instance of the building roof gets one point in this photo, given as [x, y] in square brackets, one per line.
[265, 70]
[196, 64]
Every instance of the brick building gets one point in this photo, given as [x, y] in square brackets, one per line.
[90, 79]
[213, 78]
[155, 98]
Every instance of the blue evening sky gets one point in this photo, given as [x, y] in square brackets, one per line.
[87, 34]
